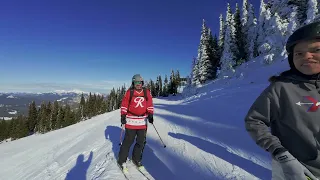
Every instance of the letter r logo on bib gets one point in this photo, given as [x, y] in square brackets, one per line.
[139, 101]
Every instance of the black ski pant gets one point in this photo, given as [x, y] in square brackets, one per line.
[129, 137]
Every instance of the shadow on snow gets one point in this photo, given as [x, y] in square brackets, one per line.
[79, 171]
[222, 153]
[158, 168]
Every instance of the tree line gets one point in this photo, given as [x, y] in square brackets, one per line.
[50, 116]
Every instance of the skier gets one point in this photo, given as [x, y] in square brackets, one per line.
[289, 106]
[136, 107]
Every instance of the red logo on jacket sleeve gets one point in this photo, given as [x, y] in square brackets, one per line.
[311, 101]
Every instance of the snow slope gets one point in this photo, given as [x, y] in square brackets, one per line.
[204, 135]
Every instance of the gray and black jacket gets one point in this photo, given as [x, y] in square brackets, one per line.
[289, 107]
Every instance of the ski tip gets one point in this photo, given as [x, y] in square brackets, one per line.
[141, 168]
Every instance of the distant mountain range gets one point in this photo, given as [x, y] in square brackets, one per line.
[14, 103]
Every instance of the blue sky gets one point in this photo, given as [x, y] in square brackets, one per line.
[95, 45]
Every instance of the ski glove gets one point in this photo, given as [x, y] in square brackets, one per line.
[292, 168]
[150, 118]
[123, 119]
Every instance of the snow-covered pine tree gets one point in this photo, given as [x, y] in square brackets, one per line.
[153, 88]
[172, 83]
[160, 86]
[293, 23]
[197, 68]
[228, 55]
[275, 38]
[206, 67]
[245, 27]
[264, 17]
[178, 78]
[251, 38]
[302, 7]
[245, 15]
[312, 11]
[222, 31]
[193, 64]
[240, 52]
[148, 84]
[82, 105]
[282, 7]
[165, 87]
[214, 54]
[157, 87]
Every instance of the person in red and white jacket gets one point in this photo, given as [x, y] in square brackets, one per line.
[135, 111]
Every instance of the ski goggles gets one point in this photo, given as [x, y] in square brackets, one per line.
[137, 82]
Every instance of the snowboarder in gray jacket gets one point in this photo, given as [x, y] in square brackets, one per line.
[290, 107]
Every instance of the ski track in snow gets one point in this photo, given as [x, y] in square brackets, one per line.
[204, 135]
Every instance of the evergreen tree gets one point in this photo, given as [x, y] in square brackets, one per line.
[49, 110]
[157, 87]
[54, 115]
[77, 115]
[245, 17]
[165, 87]
[240, 53]
[21, 129]
[104, 106]
[153, 88]
[12, 129]
[82, 106]
[193, 64]
[3, 128]
[222, 32]
[60, 118]
[251, 37]
[148, 85]
[213, 55]
[69, 117]
[206, 67]
[160, 93]
[301, 10]
[178, 78]
[196, 73]
[32, 117]
[228, 55]
[312, 11]
[42, 118]
[172, 84]
[264, 17]
[283, 8]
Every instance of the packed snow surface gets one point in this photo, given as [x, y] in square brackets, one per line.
[204, 136]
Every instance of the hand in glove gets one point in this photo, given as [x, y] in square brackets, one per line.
[150, 118]
[123, 119]
[292, 168]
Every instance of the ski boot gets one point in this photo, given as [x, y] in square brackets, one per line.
[139, 165]
[123, 167]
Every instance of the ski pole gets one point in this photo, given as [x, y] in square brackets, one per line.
[121, 134]
[159, 136]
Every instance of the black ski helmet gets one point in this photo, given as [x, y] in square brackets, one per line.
[307, 32]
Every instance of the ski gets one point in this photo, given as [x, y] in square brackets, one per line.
[142, 170]
[124, 172]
